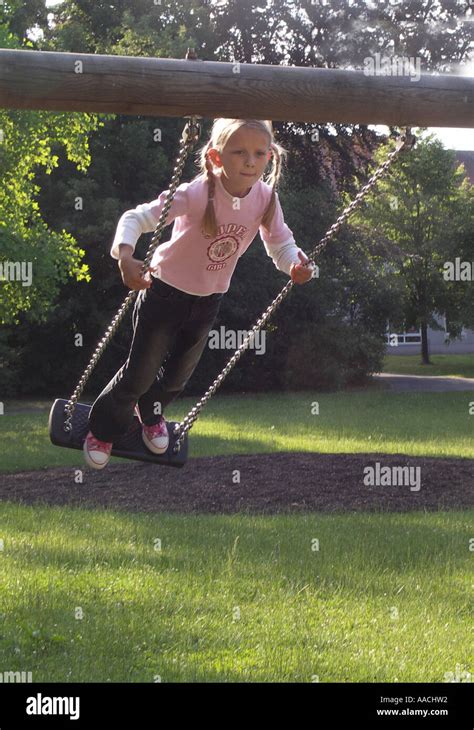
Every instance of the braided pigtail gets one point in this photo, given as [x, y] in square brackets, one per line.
[273, 180]
[209, 222]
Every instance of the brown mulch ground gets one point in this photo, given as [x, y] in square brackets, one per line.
[269, 483]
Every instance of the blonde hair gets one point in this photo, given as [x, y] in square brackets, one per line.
[222, 130]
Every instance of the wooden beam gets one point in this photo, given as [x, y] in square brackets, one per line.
[176, 88]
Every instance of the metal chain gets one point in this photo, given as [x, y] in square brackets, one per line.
[407, 140]
[190, 135]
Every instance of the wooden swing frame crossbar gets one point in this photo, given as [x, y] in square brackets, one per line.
[180, 88]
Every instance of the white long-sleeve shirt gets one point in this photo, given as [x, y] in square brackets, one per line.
[194, 261]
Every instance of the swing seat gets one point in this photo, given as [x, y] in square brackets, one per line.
[128, 446]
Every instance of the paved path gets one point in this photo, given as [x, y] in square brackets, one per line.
[424, 383]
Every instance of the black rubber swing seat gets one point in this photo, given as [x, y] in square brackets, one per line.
[129, 446]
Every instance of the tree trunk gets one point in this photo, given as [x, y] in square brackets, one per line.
[425, 355]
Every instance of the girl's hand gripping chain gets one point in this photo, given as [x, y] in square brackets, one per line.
[301, 274]
[130, 268]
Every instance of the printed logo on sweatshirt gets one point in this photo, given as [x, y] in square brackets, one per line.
[225, 246]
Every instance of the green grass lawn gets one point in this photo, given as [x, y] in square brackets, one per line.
[460, 366]
[421, 424]
[98, 595]
[87, 596]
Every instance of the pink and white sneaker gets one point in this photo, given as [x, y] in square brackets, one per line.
[156, 438]
[96, 452]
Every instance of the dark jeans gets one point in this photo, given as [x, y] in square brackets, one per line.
[170, 325]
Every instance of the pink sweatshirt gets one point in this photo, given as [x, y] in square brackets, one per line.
[192, 260]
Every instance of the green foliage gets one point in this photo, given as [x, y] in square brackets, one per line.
[7, 39]
[421, 216]
[28, 139]
[26, 145]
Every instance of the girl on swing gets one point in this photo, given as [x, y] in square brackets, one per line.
[217, 216]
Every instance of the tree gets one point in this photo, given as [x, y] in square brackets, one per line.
[421, 217]
[35, 260]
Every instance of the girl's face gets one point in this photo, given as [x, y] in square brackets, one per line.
[244, 157]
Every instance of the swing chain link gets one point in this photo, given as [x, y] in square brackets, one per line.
[189, 137]
[407, 141]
